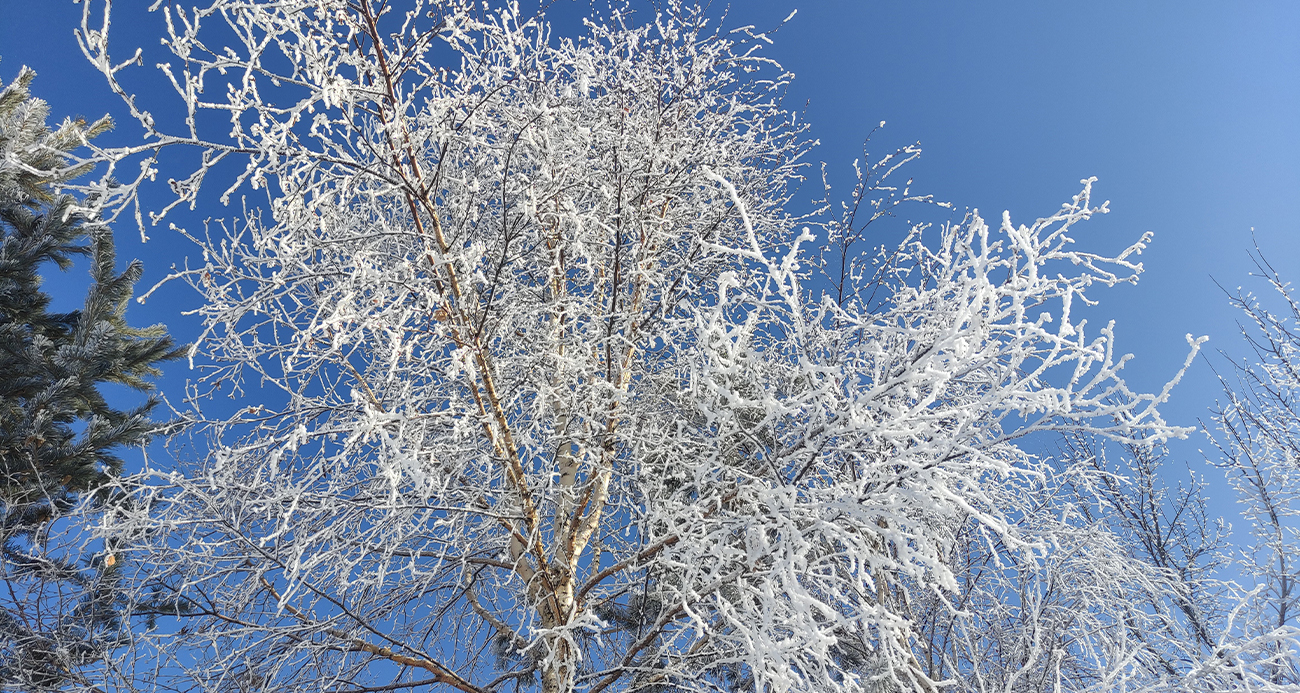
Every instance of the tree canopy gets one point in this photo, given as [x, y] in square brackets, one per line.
[541, 379]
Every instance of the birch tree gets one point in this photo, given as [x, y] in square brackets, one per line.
[533, 384]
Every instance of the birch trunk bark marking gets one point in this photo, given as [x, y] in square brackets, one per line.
[501, 438]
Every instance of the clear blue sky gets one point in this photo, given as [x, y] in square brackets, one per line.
[1187, 112]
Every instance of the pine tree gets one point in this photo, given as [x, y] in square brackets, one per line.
[59, 436]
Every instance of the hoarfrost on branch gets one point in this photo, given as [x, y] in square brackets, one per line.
[550, 390]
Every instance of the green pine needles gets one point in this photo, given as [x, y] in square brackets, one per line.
[59, 435]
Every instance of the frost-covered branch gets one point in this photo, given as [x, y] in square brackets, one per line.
[534, 382]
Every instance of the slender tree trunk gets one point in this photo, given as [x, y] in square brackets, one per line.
[557, 674]
[558, 670]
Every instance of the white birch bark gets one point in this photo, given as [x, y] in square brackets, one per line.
[527, 358]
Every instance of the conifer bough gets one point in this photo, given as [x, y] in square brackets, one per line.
[60, 437]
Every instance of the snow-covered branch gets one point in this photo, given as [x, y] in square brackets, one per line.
[535, 384]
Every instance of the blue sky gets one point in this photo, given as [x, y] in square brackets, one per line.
[1187, 112]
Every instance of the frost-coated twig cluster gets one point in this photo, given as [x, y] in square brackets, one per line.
[1256, 431]
[535, 385]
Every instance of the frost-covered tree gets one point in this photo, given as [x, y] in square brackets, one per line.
[60, 437]
[1215, 610]
[534, 384]
[1128, 595]
[1143, 589]
[1256, 430]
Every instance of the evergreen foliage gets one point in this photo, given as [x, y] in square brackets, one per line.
[59, 435]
